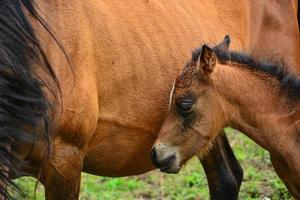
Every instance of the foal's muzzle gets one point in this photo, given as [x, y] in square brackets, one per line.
[164, 159]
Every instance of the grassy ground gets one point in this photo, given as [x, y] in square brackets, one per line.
[260, 181]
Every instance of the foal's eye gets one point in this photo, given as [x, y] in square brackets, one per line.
[185, 105]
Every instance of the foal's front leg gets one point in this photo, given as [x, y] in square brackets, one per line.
[289, 178]
[62, 176]
[223, 171]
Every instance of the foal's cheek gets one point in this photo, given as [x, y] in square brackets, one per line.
[189, 145]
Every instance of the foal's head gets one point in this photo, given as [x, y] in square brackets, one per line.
[188, 128]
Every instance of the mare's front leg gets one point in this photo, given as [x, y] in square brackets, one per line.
[61, 177]
[223, 171]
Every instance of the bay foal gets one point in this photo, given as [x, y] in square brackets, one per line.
[220, 88]
[112, 102]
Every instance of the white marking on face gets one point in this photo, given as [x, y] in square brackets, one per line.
[171, 95]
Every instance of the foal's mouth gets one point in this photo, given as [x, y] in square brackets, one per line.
[165, 159]
[169, 165]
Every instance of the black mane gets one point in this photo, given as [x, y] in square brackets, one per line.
[290, 84]
[23, 104]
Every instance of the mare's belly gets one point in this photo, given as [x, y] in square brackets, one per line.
[119, 150]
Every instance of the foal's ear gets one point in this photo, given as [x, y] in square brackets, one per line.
[224, 45]
[208, 60]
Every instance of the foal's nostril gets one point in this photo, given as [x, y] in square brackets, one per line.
[153, 155]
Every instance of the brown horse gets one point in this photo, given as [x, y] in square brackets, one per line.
[102, 114]
[220, 88]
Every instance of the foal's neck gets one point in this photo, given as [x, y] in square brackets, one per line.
[256, 106]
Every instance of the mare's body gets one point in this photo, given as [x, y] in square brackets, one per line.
[125, 55]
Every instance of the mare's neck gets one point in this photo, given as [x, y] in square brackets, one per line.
[255, 105]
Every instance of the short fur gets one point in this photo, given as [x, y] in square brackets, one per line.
[290, 84]
[249, 100]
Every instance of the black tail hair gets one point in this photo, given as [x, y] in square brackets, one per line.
[23, 104]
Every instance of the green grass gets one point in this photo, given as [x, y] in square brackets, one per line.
[260, 180]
